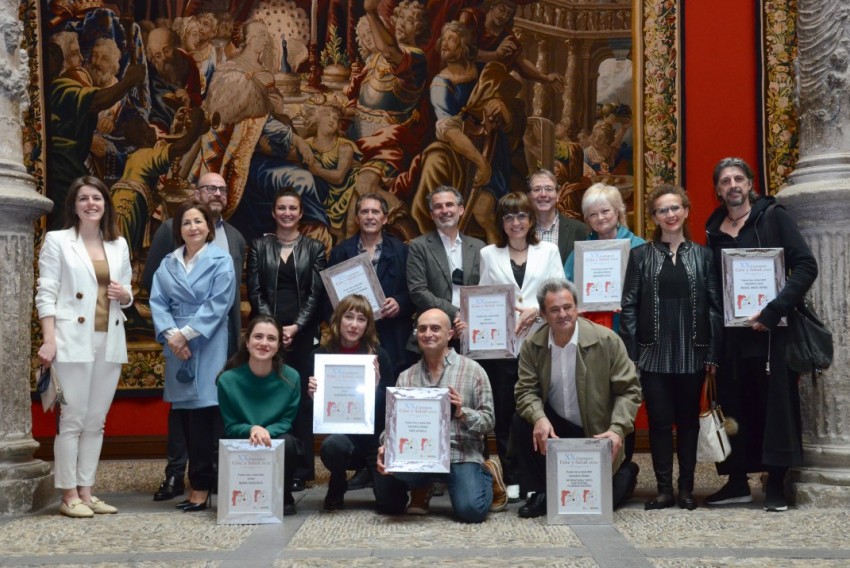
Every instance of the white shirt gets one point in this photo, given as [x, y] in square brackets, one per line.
[563, 397]
[454, 252]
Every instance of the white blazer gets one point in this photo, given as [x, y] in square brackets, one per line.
[544, 262]
[67, 290]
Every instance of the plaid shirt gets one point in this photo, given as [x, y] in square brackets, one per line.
[469, 379]
[549, 235]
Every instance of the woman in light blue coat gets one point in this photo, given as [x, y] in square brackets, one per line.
[191, 296]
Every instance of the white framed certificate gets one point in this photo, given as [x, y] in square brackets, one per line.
[578, 481]
[751, 279]
[600, 270]
[250, 483]
[417, 430]
[354, 276]
[344, 401]
[491, 322]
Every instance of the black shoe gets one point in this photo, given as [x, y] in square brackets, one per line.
[731, 493]
[662, 501]
[169, 489]
[183, 504]
[298, 485]
[633, 477]
[289, 510]
[534, 507]
[337, 485]
[686, 500]
[774, 496]
[195, 507]
[361, 479]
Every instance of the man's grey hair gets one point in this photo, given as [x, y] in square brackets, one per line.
[553, 286]
[445, 189]
[543, 172]
[65, 40]
[112, 49]
[735, 162]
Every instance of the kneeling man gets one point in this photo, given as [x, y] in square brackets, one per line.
[475, 484]
[575, 381]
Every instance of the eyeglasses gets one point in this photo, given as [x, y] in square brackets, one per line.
[544, 189]
[664, 210]
[213, 189]
[510, 217]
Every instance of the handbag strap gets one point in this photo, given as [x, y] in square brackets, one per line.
[709, 392]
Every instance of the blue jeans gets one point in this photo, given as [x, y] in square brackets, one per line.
[470, 490]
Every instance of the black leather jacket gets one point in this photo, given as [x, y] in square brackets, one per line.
[263, 264]
[640, 319]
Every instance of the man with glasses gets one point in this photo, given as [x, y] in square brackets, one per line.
[211, 191]
[552, 227]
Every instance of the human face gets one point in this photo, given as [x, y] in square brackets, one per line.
[73, 57]
[670, 214]
[212, 192]
[194, 229]
[406, 27]
[733, 186]
[191, 37]
[89, 205]
[451, 48]
[560, 313]
[352, 327]
[500, 15]
[516, 225]
[445, 211]
[160, 50]
[433, 332]
[371, 217]
[328, 122]
[602, 218]
[263, 342]
[287, 212]
[258, 35]
[206, 27]
[543, 194]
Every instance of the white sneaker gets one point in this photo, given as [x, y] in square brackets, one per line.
[513, 493]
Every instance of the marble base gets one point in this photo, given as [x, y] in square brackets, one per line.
[25, 487]
[820, 488]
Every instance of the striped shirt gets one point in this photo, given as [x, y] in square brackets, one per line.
[470, 381]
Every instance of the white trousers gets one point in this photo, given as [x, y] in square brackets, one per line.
[89, 389]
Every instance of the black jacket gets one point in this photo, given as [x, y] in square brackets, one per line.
[263, 264]
[640, 319]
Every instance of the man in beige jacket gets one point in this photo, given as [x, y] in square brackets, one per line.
[575, 381]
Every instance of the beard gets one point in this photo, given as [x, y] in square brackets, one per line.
[172, 71]
[79, 75]
[100, 77]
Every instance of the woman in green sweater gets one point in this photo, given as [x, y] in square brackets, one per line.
[258, 396]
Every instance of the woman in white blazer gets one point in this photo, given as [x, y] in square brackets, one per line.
[84, 282]
[519, 259]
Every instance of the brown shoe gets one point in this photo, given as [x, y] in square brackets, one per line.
[500, 495]
[420, 500]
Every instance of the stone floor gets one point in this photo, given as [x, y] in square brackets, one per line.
[145, 534]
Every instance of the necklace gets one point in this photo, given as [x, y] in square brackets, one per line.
[516, 249]
[734, 222]
[289, 244]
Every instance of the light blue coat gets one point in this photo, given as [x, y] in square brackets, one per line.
[202, 300]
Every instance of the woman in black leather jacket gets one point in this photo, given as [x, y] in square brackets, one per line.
[671, 324]
[284, 282]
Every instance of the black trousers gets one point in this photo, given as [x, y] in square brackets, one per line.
[290, 462]
[503, 375]
[673, 399]
[203, 428]
[298, 357]
[177, 452]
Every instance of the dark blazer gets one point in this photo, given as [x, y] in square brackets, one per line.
[429, 278]
[263, 263]
[163, 243]
[391, 269]
[569, 231]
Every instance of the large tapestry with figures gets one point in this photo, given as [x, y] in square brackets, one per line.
[337, 98]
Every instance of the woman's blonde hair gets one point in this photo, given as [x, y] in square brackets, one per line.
[602, 193]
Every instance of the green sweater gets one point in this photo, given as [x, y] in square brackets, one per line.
[246, 400]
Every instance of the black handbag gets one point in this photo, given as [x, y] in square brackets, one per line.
[809, 348]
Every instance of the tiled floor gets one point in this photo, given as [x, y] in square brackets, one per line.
[147, 534]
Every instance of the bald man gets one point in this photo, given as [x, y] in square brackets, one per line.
[475, 485]
[212, 191]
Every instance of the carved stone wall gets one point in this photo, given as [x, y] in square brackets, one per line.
[25, 483]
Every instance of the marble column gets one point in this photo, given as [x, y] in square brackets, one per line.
[818, 196]
[25, 483]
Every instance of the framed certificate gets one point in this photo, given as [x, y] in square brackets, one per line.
[578, 481]
[491, 322]
[250, 483]
[417, 430]
[600, 269]
[354, 276]
[344, 402]
[751, 279]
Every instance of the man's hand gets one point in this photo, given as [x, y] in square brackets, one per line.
[390, 308]
[457, 400]
[616, 442]
[557, 82]
[380, 462]
[507, 49]
[543, 430]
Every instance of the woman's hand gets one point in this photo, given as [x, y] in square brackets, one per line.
[116, 291]
[312, 385]
[46, 353]
[177, 343]
[289, 333]
[757, 325]
[260, 435]
[525, 320]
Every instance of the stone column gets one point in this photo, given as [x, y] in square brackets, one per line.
[25, 483]
[572, 94]
[818, 196]
[540, 102]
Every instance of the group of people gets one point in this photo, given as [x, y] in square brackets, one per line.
[574, 377]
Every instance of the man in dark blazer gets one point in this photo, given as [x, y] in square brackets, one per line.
[211, 191]
[443, 260]
[553, 227]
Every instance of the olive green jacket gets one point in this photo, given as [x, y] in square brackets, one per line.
[608, 389]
